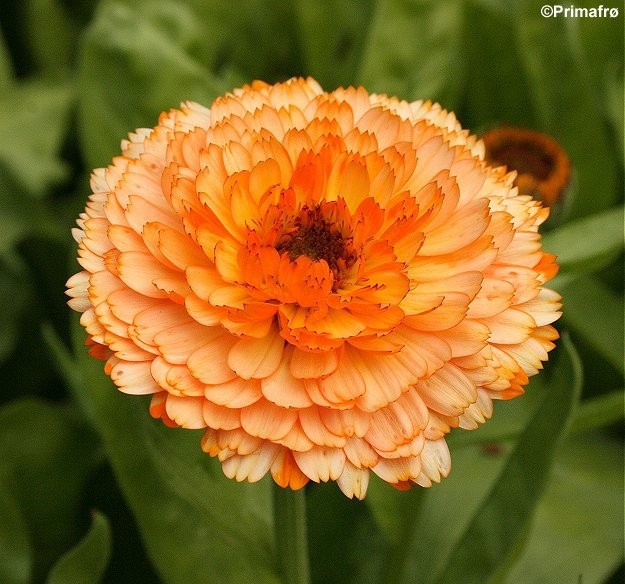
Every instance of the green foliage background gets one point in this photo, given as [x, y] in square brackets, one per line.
[92, 489]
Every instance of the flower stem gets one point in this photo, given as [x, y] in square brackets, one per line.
[398, 564]
[289, 513]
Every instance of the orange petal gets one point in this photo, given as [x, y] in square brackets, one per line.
[321, 464]
[257, 358]
[266, 420]
[448, 391]
[236, 393]
[186, 411]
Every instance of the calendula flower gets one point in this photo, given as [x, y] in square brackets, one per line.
[326, 282]
[543, 168]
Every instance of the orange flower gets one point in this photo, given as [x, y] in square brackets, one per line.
[542, 165]
[326, 282]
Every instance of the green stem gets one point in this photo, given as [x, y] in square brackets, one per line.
[289, 513]
[398, 566]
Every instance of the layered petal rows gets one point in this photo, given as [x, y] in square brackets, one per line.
[327, 283]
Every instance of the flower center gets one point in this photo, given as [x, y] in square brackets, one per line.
[312, 235]
[525, 158]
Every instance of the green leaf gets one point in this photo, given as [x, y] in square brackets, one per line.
[587, 244]
[561, 91]
[346, 544]
[6, 69]
[333, 35]
[451, 532]
[50, 34]
[196, 524]
[14, 293]
[48, 456]
[135, 62]
[599, 411]
[577, 532]
[595, 313]
[15, 549]
[87, 561]
[495, 91]
[614, 102]
[34, 115]
[414, 49]
[502, 519]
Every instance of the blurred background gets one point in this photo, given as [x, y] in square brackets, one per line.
[78, 498]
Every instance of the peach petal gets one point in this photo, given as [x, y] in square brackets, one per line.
[448, 391]
[139, 270]
[257, 358]
[458, 231]
[203, 312]
[286, 472]
[466, 338]
[308, 365]
[346, 383]
[435, 462]
[360, 453]
[321, 464]
[236, 393]
[283, 389]
[251, 467]
[397, 470]
[177, 343]
[353, 481]
[348, 422]
[209, 362]
[266, 420]
[494, 297]
[316, 430]
[296, 439]
[186, 411]
[134, 378]
[510, 326]
[220, 417]
[176, 379]
[448, 314]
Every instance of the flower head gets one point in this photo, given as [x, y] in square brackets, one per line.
[326, 282]
[543, 168]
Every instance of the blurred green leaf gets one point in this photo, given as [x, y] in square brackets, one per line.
[600, 411]
[495, 87]
[48, 455]
[134, 63]
[33, 120]
[562, 93]
[423, 525]
[50, 33]
[333, 36]
[588, 243]
[614, 104]
[13, 293]
[6, 69]
[596, 40]
[414, 49]
[501, 520]
[451, 532]
[577, 532]
[509, 419]
[196, 523]
[345, 542]
[87, 561]
[15, 549]
[595, 313]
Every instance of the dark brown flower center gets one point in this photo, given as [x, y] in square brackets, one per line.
[524, 157]
[312, 235]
